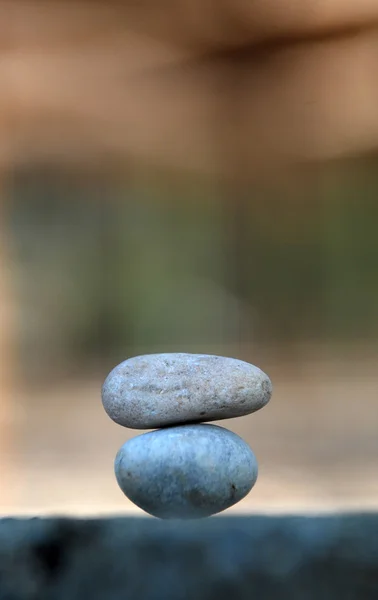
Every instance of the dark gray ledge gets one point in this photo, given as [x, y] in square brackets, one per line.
[289, 558]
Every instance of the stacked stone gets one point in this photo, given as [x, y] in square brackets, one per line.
[185, 469]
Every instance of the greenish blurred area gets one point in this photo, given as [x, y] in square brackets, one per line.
[104, 267]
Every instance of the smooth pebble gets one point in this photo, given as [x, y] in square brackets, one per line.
[156, 390]
[186, 472]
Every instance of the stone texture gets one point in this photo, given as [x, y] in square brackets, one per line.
[285, 558]
[157, 390]
[186, 472]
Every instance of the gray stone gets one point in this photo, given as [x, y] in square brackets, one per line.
[156, 390]
[186, 472]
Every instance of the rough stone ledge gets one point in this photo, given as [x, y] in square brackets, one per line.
[291, 557]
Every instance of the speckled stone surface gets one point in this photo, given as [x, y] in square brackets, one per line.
[190, 471]
[156, 390]
[331, 557]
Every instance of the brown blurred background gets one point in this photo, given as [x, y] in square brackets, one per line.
[187, 176]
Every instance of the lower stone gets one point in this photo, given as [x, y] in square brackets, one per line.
[186, 472]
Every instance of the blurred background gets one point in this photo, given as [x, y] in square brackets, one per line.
[183, 177]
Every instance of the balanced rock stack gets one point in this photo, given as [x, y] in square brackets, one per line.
[185, 469]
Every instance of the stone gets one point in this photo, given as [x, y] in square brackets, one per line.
[156, 390]
[186, 472]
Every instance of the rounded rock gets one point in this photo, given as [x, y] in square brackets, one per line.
[157, 390]
[186, 472]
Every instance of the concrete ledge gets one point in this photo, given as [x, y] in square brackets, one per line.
[293, 558]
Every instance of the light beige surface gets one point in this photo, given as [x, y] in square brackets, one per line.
[84, 82]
